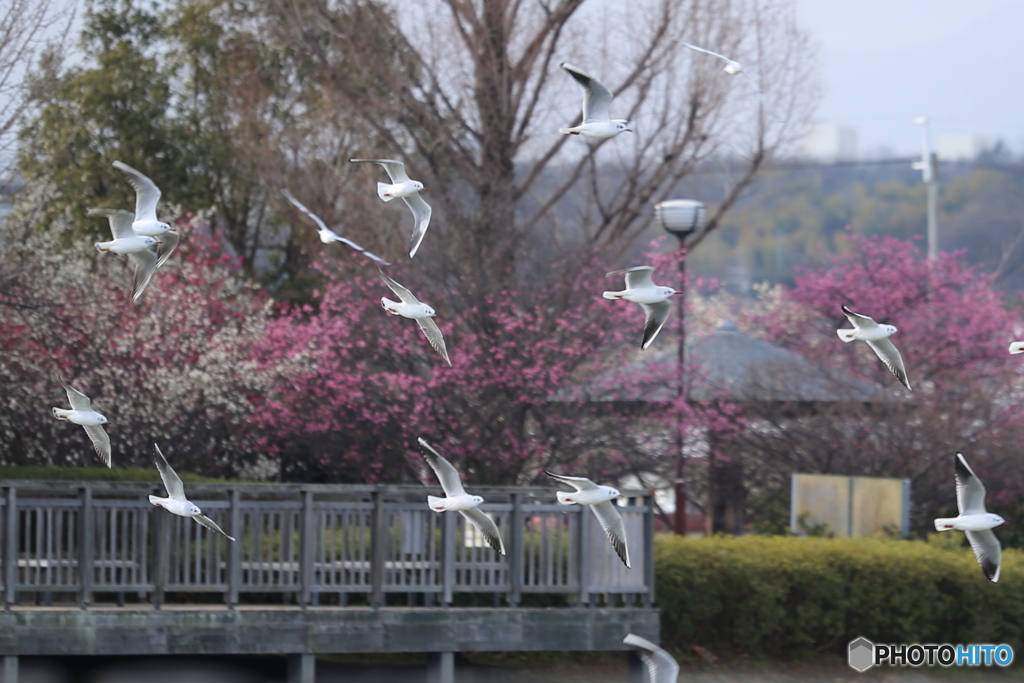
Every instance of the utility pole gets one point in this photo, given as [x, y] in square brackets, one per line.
[681, 217]
[929, 167]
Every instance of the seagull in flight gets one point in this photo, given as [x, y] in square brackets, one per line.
[456, 499]
[413, 308]
[81, 413]
[661, 666]
[176, 502]
[974, 520]
[640, 289]
[732, 67]
[877, 337]
[327, 235]
[599, 498]
[147, 194]
[596, 99]
[145, 260]
[409, 191]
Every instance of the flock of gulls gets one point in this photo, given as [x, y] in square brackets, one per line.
[148, 242]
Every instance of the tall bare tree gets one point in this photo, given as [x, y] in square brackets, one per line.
[471, 97]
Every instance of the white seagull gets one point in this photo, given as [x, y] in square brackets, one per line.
[413, 308]
[145, 260]
[456, 499]
[147, 194]
[1016, 347]
[327, 235]
[974, 520]
[81, 413]
[176, 502]
[661, 666]
[596, 99]
[599, 498]
[640, 289]
[732, 67]
[877, 337]
[409, 191]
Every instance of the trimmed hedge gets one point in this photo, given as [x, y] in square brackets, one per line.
[787, 596]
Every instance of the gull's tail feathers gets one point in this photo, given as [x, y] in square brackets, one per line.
[1017, 347]
[565, 498]
[382, 191]
[436, 504]
[155, 500]
[944, 523]
[60, 413]
[847, 335]
[612, 295]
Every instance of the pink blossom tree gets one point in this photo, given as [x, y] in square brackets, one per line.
[954, 329]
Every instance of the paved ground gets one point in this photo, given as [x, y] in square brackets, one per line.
[601, 668]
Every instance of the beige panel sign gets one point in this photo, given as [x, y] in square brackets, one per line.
[849, 506]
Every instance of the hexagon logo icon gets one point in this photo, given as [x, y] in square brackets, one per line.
[862, 654]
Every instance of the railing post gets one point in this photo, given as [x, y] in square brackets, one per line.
[161, 555]
[447, 557]
[306, 548]
[85, 547]
[583, 546]
[517, 544]
[235, 549]
[378, 547]
[10, 547]
[649, 548]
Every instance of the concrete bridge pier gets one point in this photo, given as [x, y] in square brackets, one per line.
[10, 669]
[301, 668]
[441, 667]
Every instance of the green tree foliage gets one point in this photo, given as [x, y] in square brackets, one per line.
[117, 107]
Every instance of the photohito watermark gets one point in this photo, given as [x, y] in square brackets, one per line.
[864, 654]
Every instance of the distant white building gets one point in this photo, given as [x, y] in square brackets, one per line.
[828, 143]
[961, 146]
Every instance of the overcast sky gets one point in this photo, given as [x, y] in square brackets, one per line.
[884, 62]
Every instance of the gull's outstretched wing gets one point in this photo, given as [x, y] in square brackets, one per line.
[421, 218]
[400, 291]
[168, 241]
[79, 401]
[636, 277]
[100, 442]
[861, 322]
[596, 97]
[988, 551]
[395, 169]
[578, 483]
[661, 666]
[611, 522]
[145, 265]
[446, 473]
[970, 492]
[486, 526]
[655, 317]
[120, 221]
[147, 194]
[885, 350]
[172, 482]
[433, 335]
[210, 524]
[302, 207]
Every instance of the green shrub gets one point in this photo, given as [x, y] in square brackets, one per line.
[788, 597]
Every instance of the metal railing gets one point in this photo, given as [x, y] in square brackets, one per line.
[310, 541]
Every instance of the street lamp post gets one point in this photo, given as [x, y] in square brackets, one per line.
[681, 217]
[929, 167]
